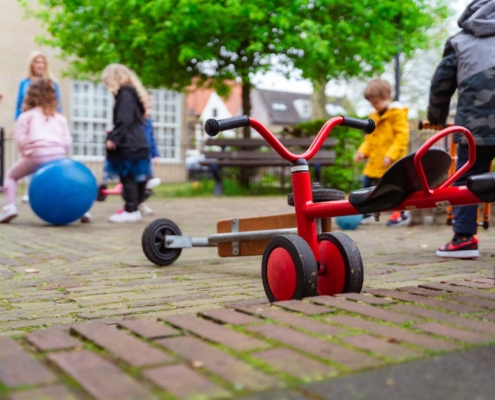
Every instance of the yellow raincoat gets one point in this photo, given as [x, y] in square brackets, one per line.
[390, 139]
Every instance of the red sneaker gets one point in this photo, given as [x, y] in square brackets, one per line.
[399, 218]
[460, 247]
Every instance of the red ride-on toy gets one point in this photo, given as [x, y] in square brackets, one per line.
[307, 261]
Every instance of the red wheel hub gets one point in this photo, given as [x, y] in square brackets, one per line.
[332, 281]
[281, 274]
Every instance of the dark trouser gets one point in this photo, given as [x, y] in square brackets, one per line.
[366, 181]
[132, 192]
[465, 217]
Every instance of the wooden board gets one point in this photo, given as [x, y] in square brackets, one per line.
[256, 247]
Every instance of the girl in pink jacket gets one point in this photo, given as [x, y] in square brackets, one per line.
[42, 135]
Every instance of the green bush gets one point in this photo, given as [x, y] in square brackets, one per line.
[344, 174]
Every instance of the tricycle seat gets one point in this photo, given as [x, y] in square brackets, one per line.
[482, 186]
[400, 181]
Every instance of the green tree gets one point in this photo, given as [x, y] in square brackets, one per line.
[347, 38]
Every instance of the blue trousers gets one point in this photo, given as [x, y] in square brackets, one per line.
[465, 222]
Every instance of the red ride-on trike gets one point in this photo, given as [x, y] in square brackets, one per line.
[307, 261]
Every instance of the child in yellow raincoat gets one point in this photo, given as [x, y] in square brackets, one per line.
[387, 144]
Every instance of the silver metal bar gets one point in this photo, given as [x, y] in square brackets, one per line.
[234, 227]
[184, 242]
[249, 235]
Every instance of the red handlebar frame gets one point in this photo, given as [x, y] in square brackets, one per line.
[286, 154]
[429, 143]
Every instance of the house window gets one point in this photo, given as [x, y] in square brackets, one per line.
[91, 109]
[279, 107]
[215, 112]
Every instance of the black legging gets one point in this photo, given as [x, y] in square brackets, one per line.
[132, 192]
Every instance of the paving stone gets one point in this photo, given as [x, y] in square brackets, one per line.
[216, 333]
[126, 311]
[230, 317]
[295, 364]
[121, 345]
[473, 300]
[375, 301]
[381, 347]
[295, 321]
[233, 370]
[458, 308]
[57, 392]
[471, 284]
[303, 307]
[489, 317]
[18, 368]
[362, 309]
[100, 378]
[393, 333]
[458, 289]
[148, 329]
[453, 333]
[52, 339]
[475, 325]
[320, 348]
[491, 281]
[255, 301]
[421, 291]
[183, 382]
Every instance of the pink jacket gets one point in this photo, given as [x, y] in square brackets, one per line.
[38, 135]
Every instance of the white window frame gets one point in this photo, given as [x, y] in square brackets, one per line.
[166, 115]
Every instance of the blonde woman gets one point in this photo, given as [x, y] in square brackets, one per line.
[127, 147]
[37, 68]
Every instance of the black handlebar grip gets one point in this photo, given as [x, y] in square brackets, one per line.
[367, 126]
[214, 126]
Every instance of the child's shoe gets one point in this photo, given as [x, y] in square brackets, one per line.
[460, 247]
[399, 218]
[126, 217]
[25, 198]
[9, 212]
[153, 182]
[367, 219]
[145, 209]
[86, 218]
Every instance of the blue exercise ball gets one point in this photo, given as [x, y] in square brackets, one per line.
[348, 222]
[61, 191]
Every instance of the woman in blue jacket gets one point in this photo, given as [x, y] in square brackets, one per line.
[37, 68]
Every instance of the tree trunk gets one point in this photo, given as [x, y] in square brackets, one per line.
[319, 100]
[246, 106]
[246, 130]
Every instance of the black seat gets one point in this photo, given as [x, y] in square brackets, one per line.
[400, 181]
[482, 186]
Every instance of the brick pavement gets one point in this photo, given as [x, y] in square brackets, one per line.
[288, 350]
[98, 271]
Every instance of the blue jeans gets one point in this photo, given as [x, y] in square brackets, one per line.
[465, 217]
[367, 182]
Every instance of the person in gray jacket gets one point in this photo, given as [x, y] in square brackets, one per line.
[468, 65]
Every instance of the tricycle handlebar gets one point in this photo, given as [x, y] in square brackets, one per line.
[213, 127]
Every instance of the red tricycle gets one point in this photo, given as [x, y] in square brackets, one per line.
[308, 260]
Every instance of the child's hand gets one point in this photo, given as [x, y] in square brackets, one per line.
[110, 145]
[359, 157]
[156, 160]
[387, 162]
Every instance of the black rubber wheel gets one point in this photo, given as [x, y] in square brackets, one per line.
[288, 269]
[448, 222]
[101, 196]
[320, 195]
[343, 265]
[486, 225]
[152, 242]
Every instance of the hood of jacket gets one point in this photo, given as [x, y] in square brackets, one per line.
[479, 18]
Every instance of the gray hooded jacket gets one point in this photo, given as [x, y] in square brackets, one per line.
[468, 65]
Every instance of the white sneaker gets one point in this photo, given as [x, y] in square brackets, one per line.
[126, 217]
[145, 209]
[25, 198]
[153, 182]
[86, 218]
[367, 220]
[9, 212]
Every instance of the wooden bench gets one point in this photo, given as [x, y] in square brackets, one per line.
[258, 153]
